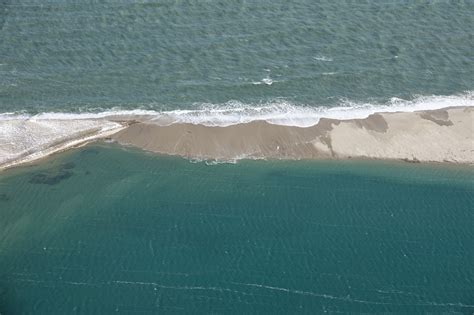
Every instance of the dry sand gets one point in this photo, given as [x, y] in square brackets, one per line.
[444, 135]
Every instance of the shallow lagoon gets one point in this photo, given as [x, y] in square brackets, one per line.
[105, 228]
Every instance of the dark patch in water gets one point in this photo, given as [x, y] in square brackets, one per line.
[68, 166]
[4, 197]
[90, 151]
[50, 178]
[394, 50]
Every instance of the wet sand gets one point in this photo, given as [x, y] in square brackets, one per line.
[444, 135]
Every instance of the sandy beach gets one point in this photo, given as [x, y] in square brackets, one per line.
[443, 135]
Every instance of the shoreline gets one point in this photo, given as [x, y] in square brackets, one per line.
[440, 135]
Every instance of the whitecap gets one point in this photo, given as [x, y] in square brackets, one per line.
[322, 58]
[267, 81]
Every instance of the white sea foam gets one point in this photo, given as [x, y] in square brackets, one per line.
[322, 58]
[286, 113]
[73, 116]
[278, 112]
[267, 80]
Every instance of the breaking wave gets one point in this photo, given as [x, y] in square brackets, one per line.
[277, 112]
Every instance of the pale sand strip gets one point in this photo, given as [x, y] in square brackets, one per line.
[27, 140]
[430, 136]
[444, 135]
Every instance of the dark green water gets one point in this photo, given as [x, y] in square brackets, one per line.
[104, 229]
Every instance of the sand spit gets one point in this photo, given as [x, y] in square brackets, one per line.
[443, 135]
[27, 140]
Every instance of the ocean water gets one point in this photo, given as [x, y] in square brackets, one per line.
[104, 228]
[284, 57]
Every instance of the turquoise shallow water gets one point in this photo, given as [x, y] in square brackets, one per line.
[103, 228]
[164, 55]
